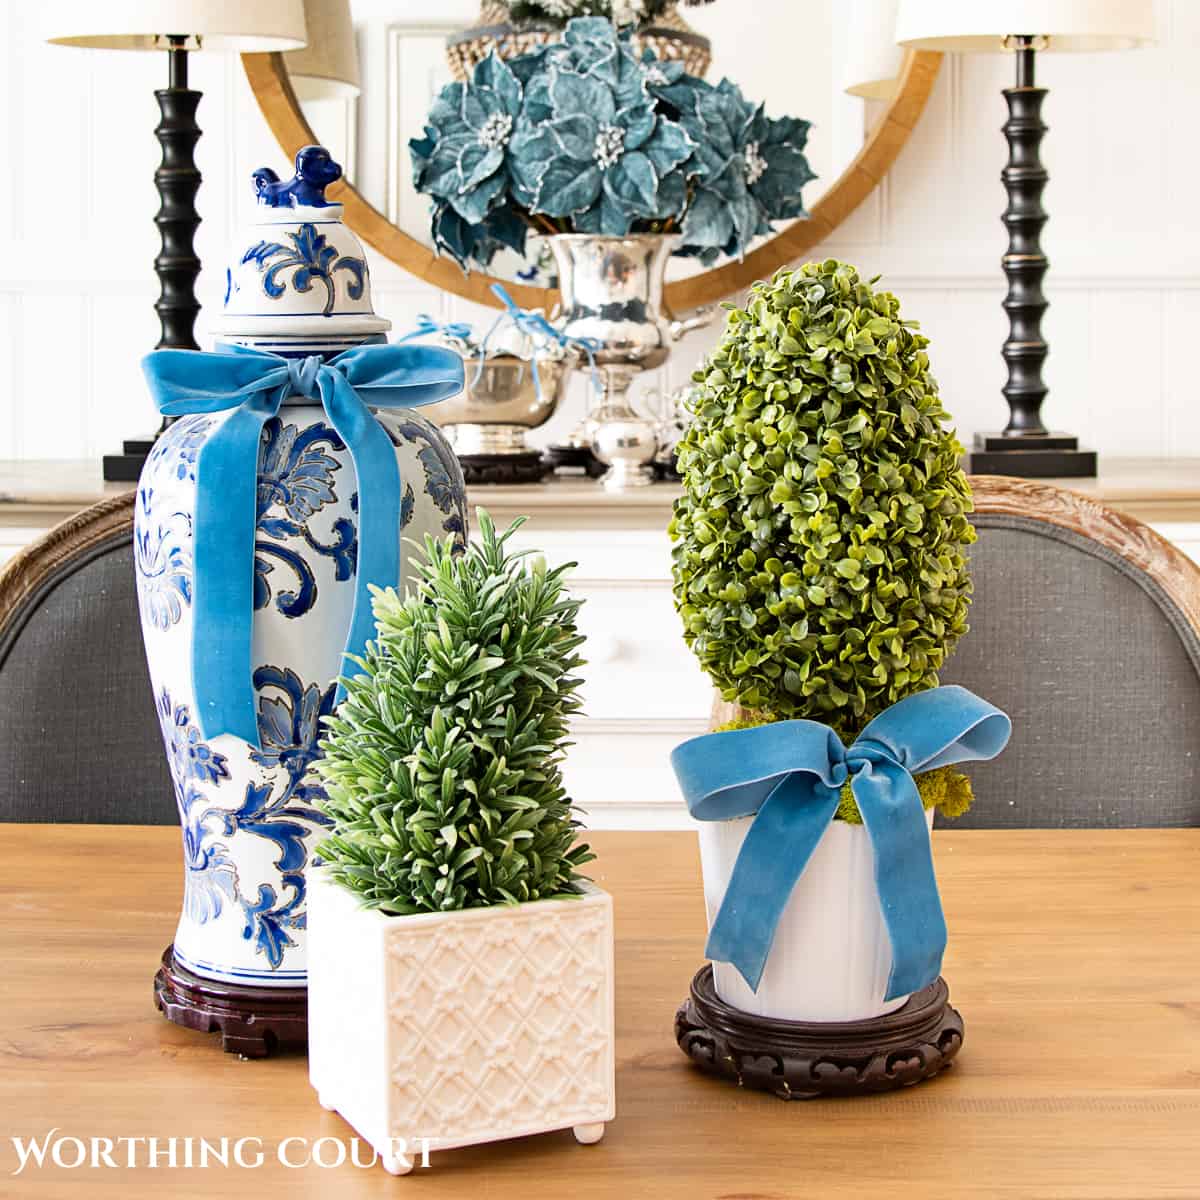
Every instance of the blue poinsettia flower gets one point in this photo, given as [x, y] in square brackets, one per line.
[751, 170]
[583, 136]
[463, 158]
[592, 146]
[776, 168]
[602, 166]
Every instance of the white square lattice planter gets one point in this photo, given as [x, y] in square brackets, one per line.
[449, 1029]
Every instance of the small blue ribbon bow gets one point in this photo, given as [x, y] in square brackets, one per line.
[535, 326]
[789, 777]
[255, 384]
[426, 325]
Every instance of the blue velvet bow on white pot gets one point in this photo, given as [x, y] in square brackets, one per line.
[813, 918]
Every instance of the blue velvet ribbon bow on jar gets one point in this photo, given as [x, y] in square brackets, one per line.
[789, 775]
[255, 384]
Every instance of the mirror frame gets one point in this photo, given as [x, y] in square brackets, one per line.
[268, 77]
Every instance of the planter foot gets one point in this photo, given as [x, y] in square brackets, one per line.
[252, 1021]
[396, 1166]
[800, 1060]
[589, 1135]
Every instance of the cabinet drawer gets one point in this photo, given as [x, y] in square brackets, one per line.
[638, 666]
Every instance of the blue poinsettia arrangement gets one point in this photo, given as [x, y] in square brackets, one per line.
[582, 136]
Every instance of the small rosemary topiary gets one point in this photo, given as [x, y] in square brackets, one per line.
[442, 764]
[819, 544]
[819, 559]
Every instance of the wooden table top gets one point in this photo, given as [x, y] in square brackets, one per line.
[1073, 959]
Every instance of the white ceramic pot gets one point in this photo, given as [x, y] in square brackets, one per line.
[831, 956]
[451, 1029]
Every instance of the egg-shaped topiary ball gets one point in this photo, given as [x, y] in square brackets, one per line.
[819, 559]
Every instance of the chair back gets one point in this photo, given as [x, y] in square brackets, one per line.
[1085, 628]
[79, 735]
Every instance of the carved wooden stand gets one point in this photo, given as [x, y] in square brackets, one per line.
[253, 1022]
[799, 1060]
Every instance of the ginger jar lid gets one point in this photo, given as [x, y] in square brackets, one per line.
[298, 274]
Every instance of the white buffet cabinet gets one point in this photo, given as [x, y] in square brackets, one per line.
[643, 690]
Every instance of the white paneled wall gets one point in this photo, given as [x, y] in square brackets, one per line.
[77, 239]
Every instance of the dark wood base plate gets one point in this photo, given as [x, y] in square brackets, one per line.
[253, 1021]
[126, 467]
[800, 1060]
[573, 459]
[504, 468]
[1041, 456]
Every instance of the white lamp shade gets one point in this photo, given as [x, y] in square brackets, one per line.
[968, 26]
[242, 25]
[327, 68]
[873, 60]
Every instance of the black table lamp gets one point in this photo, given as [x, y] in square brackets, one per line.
[1026, 28]
[176, 27]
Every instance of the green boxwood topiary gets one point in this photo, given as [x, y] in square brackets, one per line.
[442, 764]
[819, 560]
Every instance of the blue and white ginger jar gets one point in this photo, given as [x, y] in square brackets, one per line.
[298, 286]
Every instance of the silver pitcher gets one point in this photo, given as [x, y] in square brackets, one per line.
[612, 289]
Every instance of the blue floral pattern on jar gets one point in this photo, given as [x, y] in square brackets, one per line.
[250, 817]
[311, 259]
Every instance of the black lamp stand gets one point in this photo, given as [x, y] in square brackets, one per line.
[1026, 447]
[176, 265]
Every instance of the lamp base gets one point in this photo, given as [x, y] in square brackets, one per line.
[126, 467]
[1031, 456]
[800, 1060]
[253, 1021]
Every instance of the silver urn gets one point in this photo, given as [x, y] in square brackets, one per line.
[612, 294]
[504, 398]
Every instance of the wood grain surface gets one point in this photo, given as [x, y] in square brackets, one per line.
[1073, 958]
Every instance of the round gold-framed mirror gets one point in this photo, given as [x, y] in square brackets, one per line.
[269, 79]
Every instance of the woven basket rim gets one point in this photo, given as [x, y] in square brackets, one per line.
[475, 33]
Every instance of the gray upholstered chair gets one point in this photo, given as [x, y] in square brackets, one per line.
[1086, 629]
[79, 737]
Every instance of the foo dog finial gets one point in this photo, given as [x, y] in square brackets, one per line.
[315, 171]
